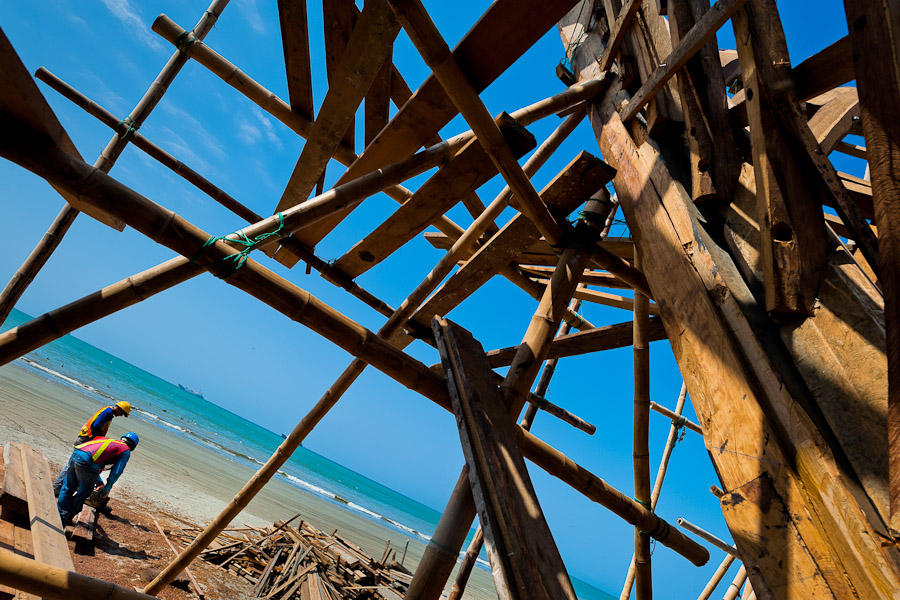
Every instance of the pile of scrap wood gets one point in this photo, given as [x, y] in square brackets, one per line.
[303, 562]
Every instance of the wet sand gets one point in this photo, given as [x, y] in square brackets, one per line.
[181, 477]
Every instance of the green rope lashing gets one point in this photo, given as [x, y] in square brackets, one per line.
[580, 323]
[590, 216]
[239, 258]
[185, 41]
[126, 129]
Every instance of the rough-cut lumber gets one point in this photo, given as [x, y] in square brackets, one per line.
[519, 23]
[873, 33]
[617, 31]
[584, 342]
[825, 70]
[834, 119]
[47, 535]
[594, 278]
[85, 525]
[13, 495]
[524, 558]
[465, 172]
[295, 39]
[696, 38]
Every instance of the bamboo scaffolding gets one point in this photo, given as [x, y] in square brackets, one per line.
[716, 578]
[657, 485]
[677, 419]
[715, 541]
[734, 588]
[641, 442]
[51, 240]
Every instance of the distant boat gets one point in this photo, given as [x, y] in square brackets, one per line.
[283, 436]
[190, 391]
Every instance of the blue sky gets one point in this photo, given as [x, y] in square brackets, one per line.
[255, 362]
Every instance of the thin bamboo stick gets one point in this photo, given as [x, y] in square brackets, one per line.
[641, 443]
[434, 50]
[51, 240]
[734, 588]
[657, 486]
[197, 589]
[712, 539]
[466, 565]
[677, 418]
[716, 578]
[53, 583]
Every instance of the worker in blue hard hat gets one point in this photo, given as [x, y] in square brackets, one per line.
[83, 471]
[96, 426]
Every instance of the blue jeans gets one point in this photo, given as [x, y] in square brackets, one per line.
[57, 485]
[81, 473]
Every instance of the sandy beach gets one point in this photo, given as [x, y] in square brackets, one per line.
[174, 475]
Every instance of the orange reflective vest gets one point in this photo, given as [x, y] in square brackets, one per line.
[103, 450]
[86, 429]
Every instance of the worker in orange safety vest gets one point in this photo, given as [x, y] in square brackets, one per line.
[83, 471]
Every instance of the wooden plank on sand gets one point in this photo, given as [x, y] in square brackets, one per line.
[525, 561]
[85, 524]
[47, 534]
[465, 172]
[13, 496]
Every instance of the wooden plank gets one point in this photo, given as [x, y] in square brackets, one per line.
[519, 23]
[833, 120]
[7, 542]
[13, 496]
[339, 18]
[755, 515]
[295, 39]
[704, 29]
[85, 525]
[524, 559]
[789, 210]
[617, 31]
[20, 96]
[874, 37]
[465, 172]
[24, 548]
[824, 70]
[47, 533]
[575, 184]
[595, 278]
[598, 339]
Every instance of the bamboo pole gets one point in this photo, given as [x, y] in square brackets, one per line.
[734, 587]
[434, 50]
[712, 539]
[641, 443]
[657, 486]
[678, 419]
[197, 589]
[716, 578]
[214, 192]
[468, 560]
[53, 583]
[51, 240]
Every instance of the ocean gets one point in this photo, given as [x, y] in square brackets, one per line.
[177, 409]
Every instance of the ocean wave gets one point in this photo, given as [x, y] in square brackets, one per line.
[73, 382]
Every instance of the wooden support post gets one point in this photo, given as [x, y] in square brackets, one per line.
[524, 558]
[874, 35]
[789, 210]
[640, 442]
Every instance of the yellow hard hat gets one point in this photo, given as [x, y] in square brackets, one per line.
[126, 408]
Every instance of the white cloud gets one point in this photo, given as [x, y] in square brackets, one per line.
[268, 127]
[251, 12]
[185, 121]
[132, 18]
[248, 132]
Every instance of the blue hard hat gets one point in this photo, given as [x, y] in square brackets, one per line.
[131, 437]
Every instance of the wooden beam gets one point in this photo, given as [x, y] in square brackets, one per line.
[13, 496]
[295, 39]
[704, 29]
[339, 17]
[48, 538]
[617, 32]
[874, 36]
[465, 172]
[524, 558]
[594, 278]
[824, 70]
[833, 120]
[518, 22]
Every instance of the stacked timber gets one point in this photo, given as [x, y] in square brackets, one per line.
[284, 562]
